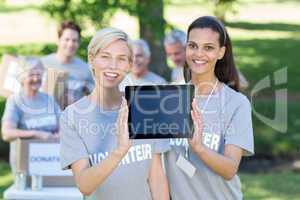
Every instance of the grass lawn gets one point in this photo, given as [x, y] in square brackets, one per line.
[5, 178]
[261, 56]
[271, 186]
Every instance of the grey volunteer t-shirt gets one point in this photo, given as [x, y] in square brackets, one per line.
[80, 77]
[87, 131]
[38, 113]
[149, 79]
[227, 120]
[177, 75]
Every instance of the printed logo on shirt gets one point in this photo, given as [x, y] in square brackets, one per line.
[210, 140]
[38, 122]
[136, 153]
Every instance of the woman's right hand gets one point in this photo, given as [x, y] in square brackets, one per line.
[124, 142]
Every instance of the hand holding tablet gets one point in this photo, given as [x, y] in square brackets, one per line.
[160, 111]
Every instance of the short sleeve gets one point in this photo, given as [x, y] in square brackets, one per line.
[161, 145]
[72, 147]
[239, 132]
[11, 113]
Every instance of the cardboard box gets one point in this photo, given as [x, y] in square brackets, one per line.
[38, 157]
[8, 75]
[55, 84]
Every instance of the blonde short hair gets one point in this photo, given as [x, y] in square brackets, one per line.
[26, 64]
[103, 38]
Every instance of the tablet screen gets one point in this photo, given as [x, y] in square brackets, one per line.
[160, 111]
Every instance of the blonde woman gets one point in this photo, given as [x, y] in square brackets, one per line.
[94, 132]
[29, 113]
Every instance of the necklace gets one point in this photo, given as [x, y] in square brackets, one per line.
[209, 96]
[202, 111]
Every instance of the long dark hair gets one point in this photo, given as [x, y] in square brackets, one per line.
[225, 69]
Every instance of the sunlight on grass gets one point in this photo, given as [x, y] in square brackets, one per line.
[238, 33]
[6, 178]
[281, 185]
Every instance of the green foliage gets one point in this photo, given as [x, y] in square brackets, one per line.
[6, 178]
[271, 186]
[83, 12]
[270, 142]
[42, 49]
[86, 12]
[28, 49]
[223, 7]
[4, 147]
[259, 57]
[98, 14]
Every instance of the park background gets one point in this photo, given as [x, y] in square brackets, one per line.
[265, 36]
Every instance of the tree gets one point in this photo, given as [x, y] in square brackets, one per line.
[152, 26]
[99, 12]
[222, 7]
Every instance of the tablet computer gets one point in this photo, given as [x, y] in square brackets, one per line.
[160, 111]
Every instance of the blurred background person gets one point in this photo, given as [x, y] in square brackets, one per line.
[174, 44]
[140, 73]
[29, 113]
[80, 81]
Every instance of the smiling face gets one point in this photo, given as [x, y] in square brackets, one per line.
[203, 51]
[68, 43]
[140, 61]
[33, 79]
[111, 64]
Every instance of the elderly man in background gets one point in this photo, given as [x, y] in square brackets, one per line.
[140, 73]
[174, 44]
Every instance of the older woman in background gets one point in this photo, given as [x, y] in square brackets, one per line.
[29, 113]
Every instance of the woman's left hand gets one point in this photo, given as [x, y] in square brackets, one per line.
[196, 141]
